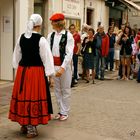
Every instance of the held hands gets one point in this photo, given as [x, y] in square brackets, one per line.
[60, 72]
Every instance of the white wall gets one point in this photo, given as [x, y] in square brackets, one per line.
[21, 17]
[100, 11]
[6, 39]
[134, 16]
[101, 14]
[57, 6]
[9, 32]
[51, 7]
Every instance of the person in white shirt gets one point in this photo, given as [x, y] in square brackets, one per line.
[62, 45]
[31, 102]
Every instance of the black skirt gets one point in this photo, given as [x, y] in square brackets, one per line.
[89, 61]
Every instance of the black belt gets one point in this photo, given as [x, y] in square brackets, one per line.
[22, 79]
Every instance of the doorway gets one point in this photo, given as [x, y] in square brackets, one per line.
[89, 17]
[39, 8]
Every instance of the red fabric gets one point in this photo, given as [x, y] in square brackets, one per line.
[77, 39]
[137, 38]
[30, 105]
[105, 45]
[57, 16]
[57, 61]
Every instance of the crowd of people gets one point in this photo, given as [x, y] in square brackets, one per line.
[53, 61]
[116, 50]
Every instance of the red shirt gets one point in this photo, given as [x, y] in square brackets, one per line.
[105, 45]
[77, 39]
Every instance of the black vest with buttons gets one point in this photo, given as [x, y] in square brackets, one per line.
[62, 45]
[30, 50]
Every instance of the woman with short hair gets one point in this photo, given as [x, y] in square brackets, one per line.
[89, 53]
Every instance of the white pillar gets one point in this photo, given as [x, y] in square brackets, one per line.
[21, 16]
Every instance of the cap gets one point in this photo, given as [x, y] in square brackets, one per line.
[57, 17]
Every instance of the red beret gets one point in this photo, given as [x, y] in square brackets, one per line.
[57, 17]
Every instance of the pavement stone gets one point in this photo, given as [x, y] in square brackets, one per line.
[107, 110]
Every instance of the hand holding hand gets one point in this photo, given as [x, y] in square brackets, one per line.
[60, 72]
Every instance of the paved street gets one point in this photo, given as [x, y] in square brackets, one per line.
[108, 110]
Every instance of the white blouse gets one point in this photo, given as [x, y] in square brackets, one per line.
[69, 47]
[44, 52]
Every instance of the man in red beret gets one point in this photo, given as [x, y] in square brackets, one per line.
[57, 17]
[62, 45]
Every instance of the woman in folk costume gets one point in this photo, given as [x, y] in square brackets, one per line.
[31, 102]
[62, 45]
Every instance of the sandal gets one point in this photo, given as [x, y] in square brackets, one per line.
[63, 117]
[31, 131]
[123, 78]
[29, 135]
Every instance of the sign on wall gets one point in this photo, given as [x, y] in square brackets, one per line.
[90, 3]
[135, 13]
[7, 25]
[71, 7]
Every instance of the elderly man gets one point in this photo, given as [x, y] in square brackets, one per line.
[102, 47]
[62, 45]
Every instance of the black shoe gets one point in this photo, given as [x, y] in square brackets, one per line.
[102, 78]
[72, 85]
[93, 82]
[23, 129]
[96, 77]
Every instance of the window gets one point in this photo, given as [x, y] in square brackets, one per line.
[40, 9]
[76, 22]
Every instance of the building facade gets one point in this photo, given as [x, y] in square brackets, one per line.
[134, 16]
[124, 11]
[15, 13]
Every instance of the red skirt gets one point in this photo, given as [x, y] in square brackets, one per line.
[29, 98]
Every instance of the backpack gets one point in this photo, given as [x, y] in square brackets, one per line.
[62, 44]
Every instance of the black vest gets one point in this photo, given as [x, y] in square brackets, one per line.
[62, 45]
[30, 50]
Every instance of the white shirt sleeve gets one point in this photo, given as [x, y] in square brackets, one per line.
[17, 54]
[46, 56]
[69, 51]
[48, 38]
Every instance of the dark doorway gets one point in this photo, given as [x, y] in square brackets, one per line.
[39, 8]
[89, 17]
